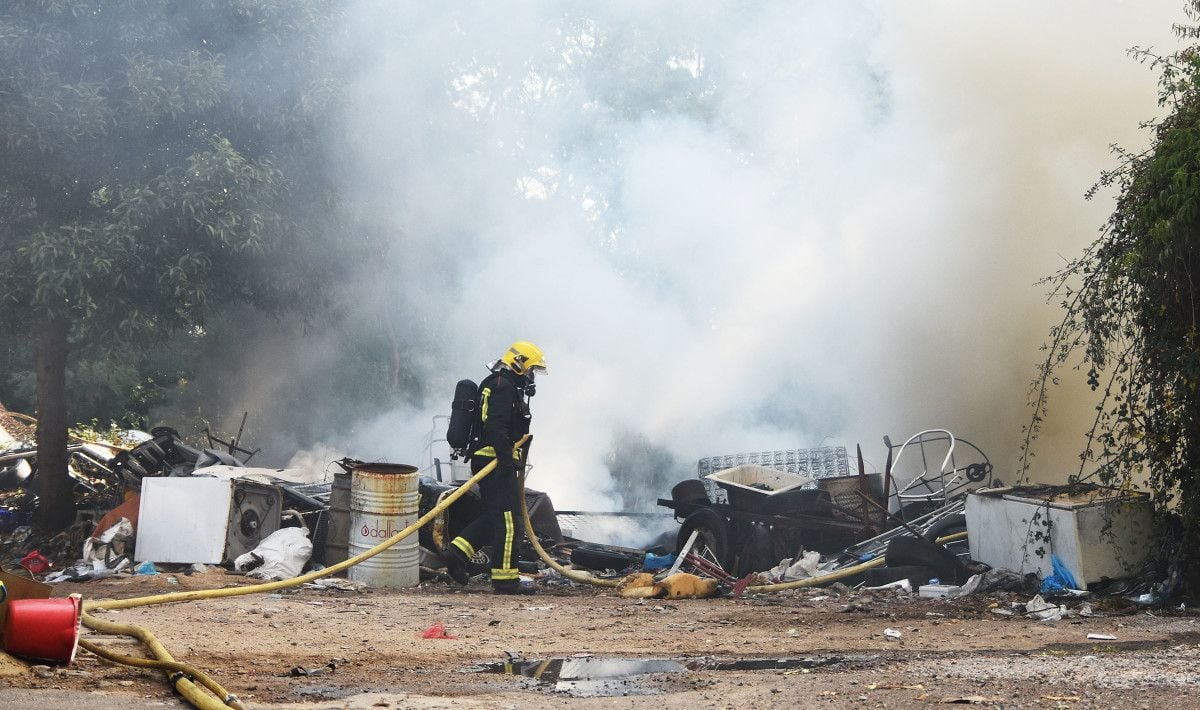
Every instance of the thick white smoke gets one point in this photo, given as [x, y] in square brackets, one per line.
[738, 226]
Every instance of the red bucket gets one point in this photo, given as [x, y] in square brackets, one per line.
[43, 629]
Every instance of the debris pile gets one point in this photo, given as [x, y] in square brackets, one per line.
[770, 522]
[775, 520]
[111, 483]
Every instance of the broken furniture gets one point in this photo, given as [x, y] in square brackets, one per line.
[940, 468]
[749, 520]
[767, 514]
[165, 454]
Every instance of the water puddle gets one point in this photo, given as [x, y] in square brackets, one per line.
[588, 676]
[763, 664]
[596, 676]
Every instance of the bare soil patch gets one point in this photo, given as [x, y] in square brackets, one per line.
[326, 648]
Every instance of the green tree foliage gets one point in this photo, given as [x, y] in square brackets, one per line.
[156, 163]
[1130, 305]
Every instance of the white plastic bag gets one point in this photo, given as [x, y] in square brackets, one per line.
[802, 566]
[281, 555]
[113, 545]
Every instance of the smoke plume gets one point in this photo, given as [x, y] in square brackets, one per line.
[731, 227]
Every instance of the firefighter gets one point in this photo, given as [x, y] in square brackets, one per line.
[503, 419]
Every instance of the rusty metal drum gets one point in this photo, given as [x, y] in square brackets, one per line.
[337, 539]
[383, 501]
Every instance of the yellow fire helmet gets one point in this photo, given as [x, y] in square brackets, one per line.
[525, 357]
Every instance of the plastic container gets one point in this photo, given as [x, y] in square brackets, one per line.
[936, 591]
[35, 563]
[654, 562]
[43, 629]
[746, 485]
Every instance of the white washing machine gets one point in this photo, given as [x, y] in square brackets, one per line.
[197, 519]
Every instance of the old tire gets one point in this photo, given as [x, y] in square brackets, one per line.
[947, 526]
[918, 509]
[713, 534]
[915, 574]
[758, 554]
[599, 559]
[905, 551]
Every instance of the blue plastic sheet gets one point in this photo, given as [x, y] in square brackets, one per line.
[1061, 580]
[656, 562]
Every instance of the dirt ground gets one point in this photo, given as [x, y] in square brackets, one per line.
[817, 649]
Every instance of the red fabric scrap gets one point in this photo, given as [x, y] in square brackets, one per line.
[437, 631]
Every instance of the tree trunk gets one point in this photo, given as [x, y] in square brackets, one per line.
[56, 499]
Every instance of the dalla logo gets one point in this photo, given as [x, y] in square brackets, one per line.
[377, 532]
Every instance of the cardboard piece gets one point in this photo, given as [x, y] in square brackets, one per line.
[20, 588]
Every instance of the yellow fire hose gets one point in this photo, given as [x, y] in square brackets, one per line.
[176, 672]
[573, 575]
[181, 675]
[188, 680]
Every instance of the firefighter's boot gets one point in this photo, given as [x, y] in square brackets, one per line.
[511, 586]
[456, 563]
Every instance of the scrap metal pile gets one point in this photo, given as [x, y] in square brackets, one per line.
[109, 478]
[131, 495]
[935, 521]
[780, 512]
[895, 532]
[748, 521]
